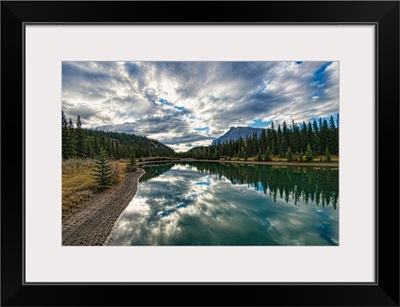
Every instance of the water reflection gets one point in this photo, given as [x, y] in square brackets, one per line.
[227, 204]
[319, 185]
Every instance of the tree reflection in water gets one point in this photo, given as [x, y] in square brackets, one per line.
[291, 183]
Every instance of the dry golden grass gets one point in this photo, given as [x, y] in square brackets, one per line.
[121, 167]
[334, 158]
[278, 159]
[73, 165]
[78, 184]
[323, 159]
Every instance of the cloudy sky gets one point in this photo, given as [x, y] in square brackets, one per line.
[187, 104]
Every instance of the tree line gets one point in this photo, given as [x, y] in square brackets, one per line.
[297, 142]
[79, 142]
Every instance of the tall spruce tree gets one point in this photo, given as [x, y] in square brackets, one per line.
[316, 138]
[68, 138]
[304, 139]
[65, 140]
[102, 173]
[80, 139]
[71, 142]
[324, 140]
[309, 153]
[333, 141]
[267, 156]
[263, 141]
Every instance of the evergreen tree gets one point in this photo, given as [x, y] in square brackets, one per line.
[285, 133]
[259, 155]
[80, 139]
[324, 137]
[71, 140]
[263, 141]
[311, 136]
[289, 154]
[309, 153]
[274, 140]
[89, 147]
[327, 155]
[304, 139]
[295, 137]
[267, 156]
[280, 141]
[230, 149]
[283, 147]
[65, 137]
[102, 173]
[316, 138]
[254, 144]
[333, 141]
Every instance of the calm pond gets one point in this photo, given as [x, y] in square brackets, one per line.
[230, 204]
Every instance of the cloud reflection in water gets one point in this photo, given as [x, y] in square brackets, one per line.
[185, 206]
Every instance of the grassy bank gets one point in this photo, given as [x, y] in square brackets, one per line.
[276, 161]
[78, 184]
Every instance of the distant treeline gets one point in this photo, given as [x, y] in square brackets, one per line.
[78, 142]
[300, 142]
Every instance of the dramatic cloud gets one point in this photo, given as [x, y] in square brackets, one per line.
[187, 104]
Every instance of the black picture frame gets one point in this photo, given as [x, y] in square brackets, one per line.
[383, 14]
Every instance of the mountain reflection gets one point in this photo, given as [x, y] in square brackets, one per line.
[293, 184]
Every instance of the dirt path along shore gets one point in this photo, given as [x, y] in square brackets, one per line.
[93, 224]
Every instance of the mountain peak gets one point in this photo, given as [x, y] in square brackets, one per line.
[235, 133]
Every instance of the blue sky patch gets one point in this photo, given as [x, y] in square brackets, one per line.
[319, 75]
[318, 93]
[258, 123]
[164, 101]
[202, 129]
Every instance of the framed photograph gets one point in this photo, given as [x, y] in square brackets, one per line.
[240, 147]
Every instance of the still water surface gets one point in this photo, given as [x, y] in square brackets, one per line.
[229, 204]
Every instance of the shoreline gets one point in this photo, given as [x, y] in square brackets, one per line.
[272, 163]
[95, 222]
